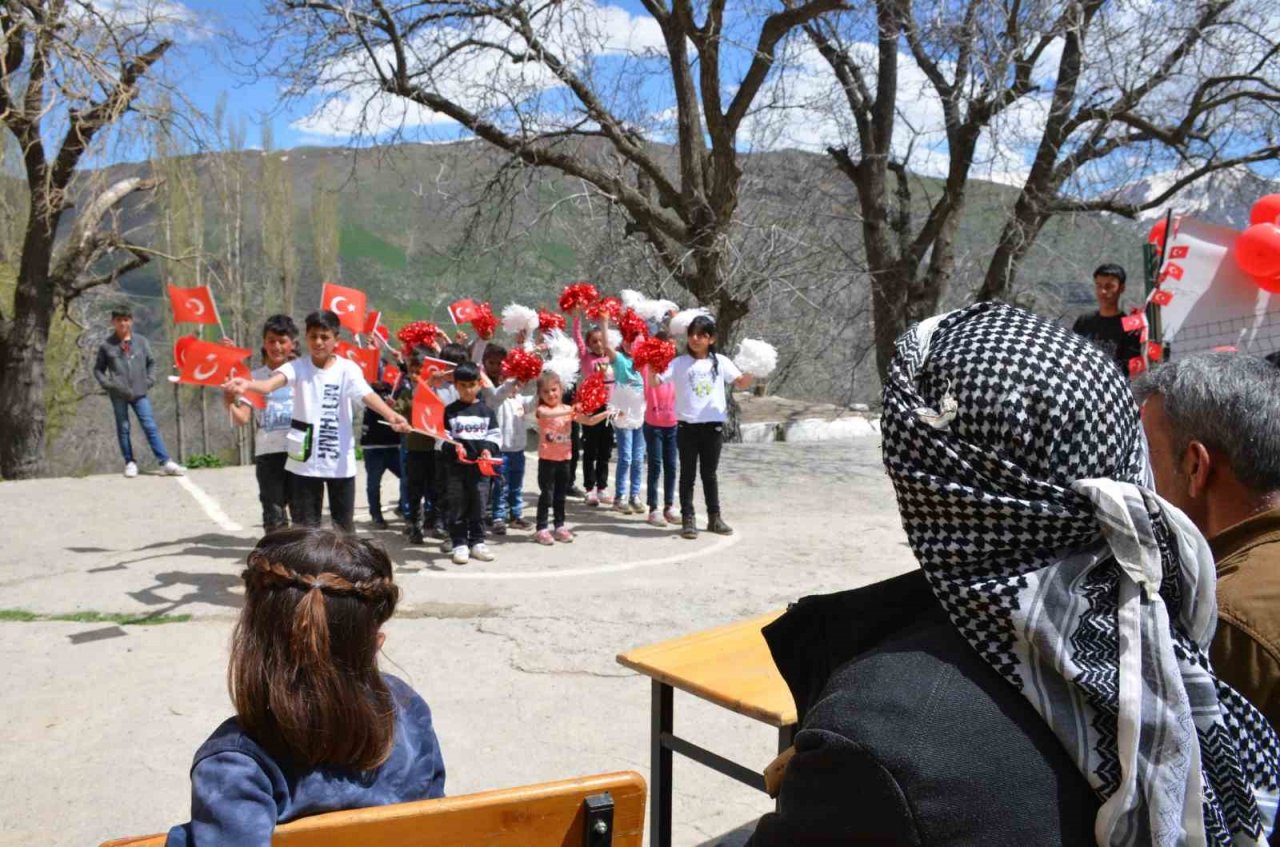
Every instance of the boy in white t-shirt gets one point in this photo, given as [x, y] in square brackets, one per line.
[321, 438]
[270, 449]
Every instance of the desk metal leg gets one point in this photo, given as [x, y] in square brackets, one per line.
[661, 725]
[786, 737]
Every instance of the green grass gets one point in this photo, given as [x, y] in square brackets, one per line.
[356, 242]
[120, 618]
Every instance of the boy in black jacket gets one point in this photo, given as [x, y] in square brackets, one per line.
[474, 428]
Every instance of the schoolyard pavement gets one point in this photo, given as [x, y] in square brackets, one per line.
[516, 657]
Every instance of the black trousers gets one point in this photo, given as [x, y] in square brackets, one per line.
[597, 449]
[699, 447]
[468, 496]
[308, 497]
[420, 473]
[273, 490]
[553, 487]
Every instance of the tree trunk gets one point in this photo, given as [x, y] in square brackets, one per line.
[1016, 238]
[22, 376]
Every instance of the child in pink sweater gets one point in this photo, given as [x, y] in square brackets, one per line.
[597, 439]
[660, 445]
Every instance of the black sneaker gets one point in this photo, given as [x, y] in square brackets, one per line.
[575, 491]
[688, 527]
[415, 535]
[718, 526]
[498, 527]
[520, 523]
[379, 522]
[437, 531]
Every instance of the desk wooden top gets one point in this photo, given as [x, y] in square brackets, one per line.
[729, 665]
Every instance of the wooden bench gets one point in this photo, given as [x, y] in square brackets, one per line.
[730, 666]
[591, 811]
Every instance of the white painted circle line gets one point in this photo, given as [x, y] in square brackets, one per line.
[210, 506]
[723, 543]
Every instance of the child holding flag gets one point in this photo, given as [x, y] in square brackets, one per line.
[321, 439]
[270, 449]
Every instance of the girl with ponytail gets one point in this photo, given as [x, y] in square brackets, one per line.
[318, 727]
[700, 377]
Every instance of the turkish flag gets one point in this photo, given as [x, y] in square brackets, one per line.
[206, 363]
[365, 357]
[347, 303]
[428, 411]
[1161, 298]
[372, 321]
[180, 348]
[1155, 351]
[1134, 322]
[1136, 366]
[391, 375]
[463, 311]
[432, 366]
[192, 305]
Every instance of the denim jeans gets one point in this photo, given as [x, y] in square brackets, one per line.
[141, 408]
[661, 443]
[630, 463]
[377, 461]
[510, 502]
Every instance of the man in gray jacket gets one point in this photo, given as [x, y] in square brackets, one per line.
[126, 370]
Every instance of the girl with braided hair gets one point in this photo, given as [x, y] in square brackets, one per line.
[318, 727]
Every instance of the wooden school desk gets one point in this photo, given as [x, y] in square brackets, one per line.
[730, 666]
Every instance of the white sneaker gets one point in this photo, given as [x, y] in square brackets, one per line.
[461, 555]
[482, 552]
[172, 468]
[655, 519]
[620, 505]
[130, 470]
[592, 498]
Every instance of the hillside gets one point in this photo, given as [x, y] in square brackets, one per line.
[420, 225]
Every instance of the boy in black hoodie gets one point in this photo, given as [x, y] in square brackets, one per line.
[474, 428]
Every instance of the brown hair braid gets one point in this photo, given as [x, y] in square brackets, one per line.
[303, 672]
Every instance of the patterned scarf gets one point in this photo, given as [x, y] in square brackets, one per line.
[1020, 469]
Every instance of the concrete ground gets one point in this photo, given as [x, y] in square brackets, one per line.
[516, 656]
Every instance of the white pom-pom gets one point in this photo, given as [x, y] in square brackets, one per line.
[517, 319]
[631, 298]
[656, 310]
[560, 346]
[756, 357]
[680, 323]
[565, 367]
[614, 338]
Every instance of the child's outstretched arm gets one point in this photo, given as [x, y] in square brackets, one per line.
[592, 420]
[238, 385]
[240, 412]
[744, 381]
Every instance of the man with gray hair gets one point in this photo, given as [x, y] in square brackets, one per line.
[1213, 424]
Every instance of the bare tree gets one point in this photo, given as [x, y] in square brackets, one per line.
[280, 254]
[325, 228]
[555, 85]
[1074, 101]
[71, 71]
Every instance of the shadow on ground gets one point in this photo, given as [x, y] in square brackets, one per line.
[734, 838]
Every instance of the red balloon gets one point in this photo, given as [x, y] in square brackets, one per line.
[1258, 251]
[1156, 235]
[1266, 210]
[1271, 284]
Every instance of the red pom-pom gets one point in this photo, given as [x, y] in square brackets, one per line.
[610, 307]
[591, 394]
[484, 323]
[632, 327]
[521, 365]
[548, 321]
[580, 295]
[417, 334]
[655, 353]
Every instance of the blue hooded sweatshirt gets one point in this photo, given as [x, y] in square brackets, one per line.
[239, 792]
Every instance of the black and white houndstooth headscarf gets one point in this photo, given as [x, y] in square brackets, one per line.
[1016, 453]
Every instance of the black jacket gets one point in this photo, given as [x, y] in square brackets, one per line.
[128, 376]
[908, 738]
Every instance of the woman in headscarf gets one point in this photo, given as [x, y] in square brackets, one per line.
[1043, 679]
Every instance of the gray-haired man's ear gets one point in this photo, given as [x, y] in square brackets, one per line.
[1196, 467]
